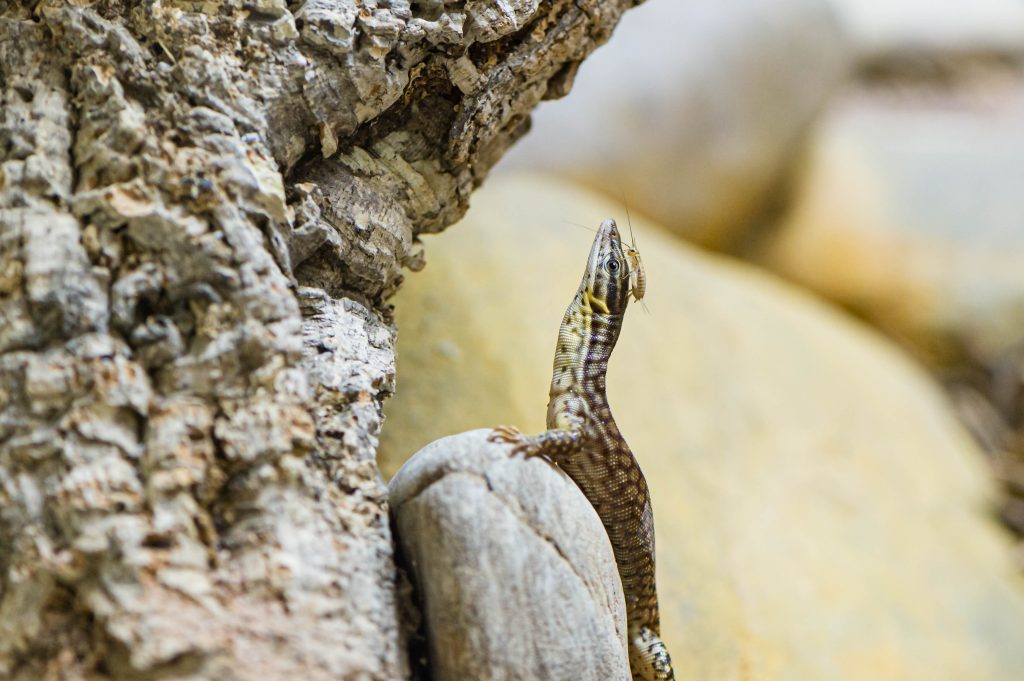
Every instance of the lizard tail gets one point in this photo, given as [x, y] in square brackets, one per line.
[649, 658]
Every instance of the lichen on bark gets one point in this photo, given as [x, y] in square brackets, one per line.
[203, 210]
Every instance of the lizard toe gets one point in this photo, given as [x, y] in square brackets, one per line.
[506, 434]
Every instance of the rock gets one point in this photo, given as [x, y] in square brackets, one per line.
[694, 111]
[909, 212]
[820, 513]
[513, 569]
[920, 27]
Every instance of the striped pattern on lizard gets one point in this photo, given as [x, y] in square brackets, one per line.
[583, 440]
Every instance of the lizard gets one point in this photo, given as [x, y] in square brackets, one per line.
[583, 439]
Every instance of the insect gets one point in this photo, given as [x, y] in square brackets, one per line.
[637, 275]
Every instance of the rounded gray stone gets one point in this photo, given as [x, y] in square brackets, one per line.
[512, 566]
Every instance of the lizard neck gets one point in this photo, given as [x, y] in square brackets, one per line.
[578, 391]
[602, 334]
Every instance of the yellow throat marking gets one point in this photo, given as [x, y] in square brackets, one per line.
[595, 302]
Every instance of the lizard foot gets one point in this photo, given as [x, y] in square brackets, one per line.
[524, 445]
[507, 434]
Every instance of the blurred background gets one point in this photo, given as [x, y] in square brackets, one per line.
[828, 392]
[872, 152]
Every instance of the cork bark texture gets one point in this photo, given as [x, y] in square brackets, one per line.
[203, 210]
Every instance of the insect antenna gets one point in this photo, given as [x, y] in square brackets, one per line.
[629, 221]
[576, 224]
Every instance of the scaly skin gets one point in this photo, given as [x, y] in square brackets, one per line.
[584, 441]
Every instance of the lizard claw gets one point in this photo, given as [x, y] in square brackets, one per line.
[507, 434]
[511, 435]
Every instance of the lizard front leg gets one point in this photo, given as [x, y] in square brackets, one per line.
[554, 445]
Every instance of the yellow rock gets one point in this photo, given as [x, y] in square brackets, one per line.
[820, 515]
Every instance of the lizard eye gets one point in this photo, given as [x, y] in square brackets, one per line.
[612, 265]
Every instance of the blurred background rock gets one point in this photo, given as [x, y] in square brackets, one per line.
[870, 153]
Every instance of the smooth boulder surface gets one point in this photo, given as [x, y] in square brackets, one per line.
[820, 513]
[514, 572]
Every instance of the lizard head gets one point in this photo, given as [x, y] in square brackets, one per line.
[605, 287]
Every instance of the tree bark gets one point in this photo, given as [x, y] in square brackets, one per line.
[205, 207]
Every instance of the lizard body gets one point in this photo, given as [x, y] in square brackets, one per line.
[584, 441]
